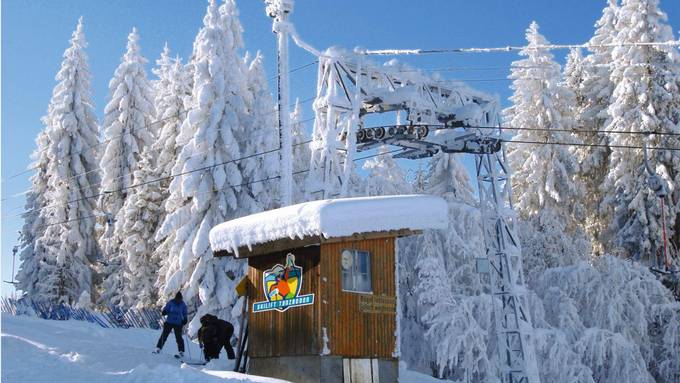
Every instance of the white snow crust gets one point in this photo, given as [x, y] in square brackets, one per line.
[331, 218]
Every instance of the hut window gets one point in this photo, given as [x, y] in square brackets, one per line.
[356, 270]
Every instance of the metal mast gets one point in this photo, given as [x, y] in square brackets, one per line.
[279, 10]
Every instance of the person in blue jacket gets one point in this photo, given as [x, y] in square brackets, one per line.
[176, 312]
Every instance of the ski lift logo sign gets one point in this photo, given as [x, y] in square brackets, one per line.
[282, 285]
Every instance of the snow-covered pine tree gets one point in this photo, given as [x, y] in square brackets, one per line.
[301, 153]
[445, 258]
[30, 262]
[58, 267]
[128, 129]
[260, 172]
[616, 316]
[544, 185]
[171, 89]
[646, 98]
[594, 89]
[385, 177]
[200, 200]
[136, 225]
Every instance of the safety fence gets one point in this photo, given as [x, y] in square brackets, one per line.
[111, 317]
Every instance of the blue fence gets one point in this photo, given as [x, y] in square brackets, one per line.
[112, 317]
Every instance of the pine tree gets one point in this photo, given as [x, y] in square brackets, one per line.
[385, 177]
[301, 153]
[171, 89]
[136, 225]
[260, 172]
[544, 184]
[202, 199]
[58, 264]
[128, 130]
[442, 260]
[594, 91]
[27, 276]
[611, 312]
[646, 98]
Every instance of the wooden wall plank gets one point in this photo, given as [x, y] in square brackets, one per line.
[353, 333]
[294, 331]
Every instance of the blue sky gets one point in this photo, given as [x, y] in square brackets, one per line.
[36, 32]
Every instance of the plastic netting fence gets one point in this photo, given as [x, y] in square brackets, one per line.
[110, 317]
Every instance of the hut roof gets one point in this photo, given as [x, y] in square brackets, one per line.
[327, 219]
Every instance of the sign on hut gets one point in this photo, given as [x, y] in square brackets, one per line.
[322, 284]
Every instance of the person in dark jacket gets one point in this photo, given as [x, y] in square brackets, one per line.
[215, 334]
[176, 312]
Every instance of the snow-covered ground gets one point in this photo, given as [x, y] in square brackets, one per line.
[38, 350]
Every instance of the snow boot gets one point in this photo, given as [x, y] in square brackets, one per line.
[180, 355]
[156, 351]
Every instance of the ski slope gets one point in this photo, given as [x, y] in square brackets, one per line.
[38, 350]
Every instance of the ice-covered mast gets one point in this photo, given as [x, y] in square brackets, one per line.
[279, 11]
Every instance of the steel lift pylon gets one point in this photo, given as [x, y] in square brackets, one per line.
[442, 116]
[447, 119]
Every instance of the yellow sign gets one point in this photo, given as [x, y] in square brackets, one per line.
[242, 287]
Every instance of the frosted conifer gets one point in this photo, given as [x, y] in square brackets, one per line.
[260, 172]
[301, 153]
[59, 245]
[646, 98]
[595, 89]
[385, 177]
[202, 199]
[128, 130]
[171, 90]
[442, 260]
[136, 225]
[544, 182]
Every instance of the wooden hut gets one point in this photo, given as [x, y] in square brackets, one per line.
[322, 284]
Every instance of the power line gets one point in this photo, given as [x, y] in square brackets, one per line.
[122, 176]
[589, 145]
[575, 131]
[303, 101]
[204, 168]
[510, 48]
[231, 186]
[299, 68]
[193, 195]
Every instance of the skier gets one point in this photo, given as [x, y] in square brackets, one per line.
[176, 312]
[214, 334]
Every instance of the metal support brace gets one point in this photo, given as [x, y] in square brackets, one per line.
[512, 323]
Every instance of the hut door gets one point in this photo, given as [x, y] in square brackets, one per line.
[360, 371]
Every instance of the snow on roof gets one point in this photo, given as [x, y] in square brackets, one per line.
[331, 219]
